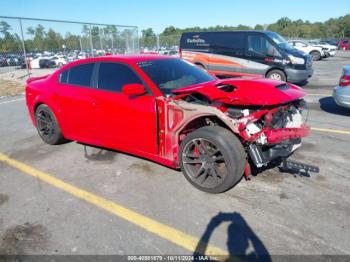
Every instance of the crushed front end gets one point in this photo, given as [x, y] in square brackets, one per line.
[271, 133]
[268, 116]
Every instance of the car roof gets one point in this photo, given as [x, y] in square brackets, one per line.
[126, 58]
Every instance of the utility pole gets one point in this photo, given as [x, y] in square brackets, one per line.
[99, 34]
[158, 48]
[24, 47]
[91, 45]
[81, 46]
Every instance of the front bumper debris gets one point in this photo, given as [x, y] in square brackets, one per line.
[298, 166]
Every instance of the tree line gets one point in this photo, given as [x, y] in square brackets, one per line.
[41, 39]
[336, 28]
[112, 37]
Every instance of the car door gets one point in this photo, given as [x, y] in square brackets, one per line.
[75, 97]
[260, 54]
[123, 121]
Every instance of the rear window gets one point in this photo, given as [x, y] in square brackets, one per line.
[81, 75]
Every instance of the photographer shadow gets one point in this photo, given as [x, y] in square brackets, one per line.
[242, 243]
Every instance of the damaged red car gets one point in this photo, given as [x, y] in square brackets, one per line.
[169, 111]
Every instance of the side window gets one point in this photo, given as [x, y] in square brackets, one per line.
[228, 43]
[64, 77]
[81, 75]
[112, 76]
[260, 46]
[300, 44]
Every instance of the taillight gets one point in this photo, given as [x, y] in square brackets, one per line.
[180, 52]
[344, 80]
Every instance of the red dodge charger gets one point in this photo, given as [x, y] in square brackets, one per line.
[172, 112]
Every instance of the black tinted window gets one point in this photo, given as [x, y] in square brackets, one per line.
[113, 76]
[64, 76]
[258, 45]
[81, 75]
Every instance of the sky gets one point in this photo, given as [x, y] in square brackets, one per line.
[159, 14]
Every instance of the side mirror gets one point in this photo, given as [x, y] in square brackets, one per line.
[133, 89]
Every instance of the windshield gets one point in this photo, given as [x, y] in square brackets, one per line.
[173, 73]
[279, 40]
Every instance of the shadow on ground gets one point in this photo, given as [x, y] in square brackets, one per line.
[328, 105]
[242, 242]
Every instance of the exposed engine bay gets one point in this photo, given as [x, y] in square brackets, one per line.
[267, 130]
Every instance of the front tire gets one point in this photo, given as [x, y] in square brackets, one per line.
[276, 75]
[47, 126]
[212, 159]
[316, 56]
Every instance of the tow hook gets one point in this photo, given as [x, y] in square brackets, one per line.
[298, 166]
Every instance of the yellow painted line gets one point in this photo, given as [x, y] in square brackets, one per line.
[343, 132]
[164, 231]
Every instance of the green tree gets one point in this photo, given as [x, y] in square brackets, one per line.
[258, 27]
[148, 38]
[4, 27]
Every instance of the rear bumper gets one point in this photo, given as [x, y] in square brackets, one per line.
[341, 96]
[297, 76]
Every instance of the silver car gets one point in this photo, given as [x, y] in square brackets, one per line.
[341, 93]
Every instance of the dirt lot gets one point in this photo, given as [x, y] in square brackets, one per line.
[72, 199]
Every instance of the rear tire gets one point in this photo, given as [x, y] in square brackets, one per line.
[316, 56]
[47, 126]
[212, 159]
[276, 75]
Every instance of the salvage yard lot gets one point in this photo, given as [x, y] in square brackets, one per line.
[273, 213]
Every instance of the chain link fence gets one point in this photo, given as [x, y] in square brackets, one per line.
[28, 44]
[167, 45]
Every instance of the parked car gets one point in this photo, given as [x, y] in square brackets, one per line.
[47, 63]
[41, 62]
[315, 51]
[330, 41]
[3, 61]
[246, 53]
[59, 60]
[13, 60]
[341, 93]
[344, 44]
[172, 112]
[329, 50]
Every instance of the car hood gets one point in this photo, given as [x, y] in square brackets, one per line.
[252, 92]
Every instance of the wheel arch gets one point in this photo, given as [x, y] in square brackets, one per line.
[275, 68]
[55, 110]
[201, 121]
